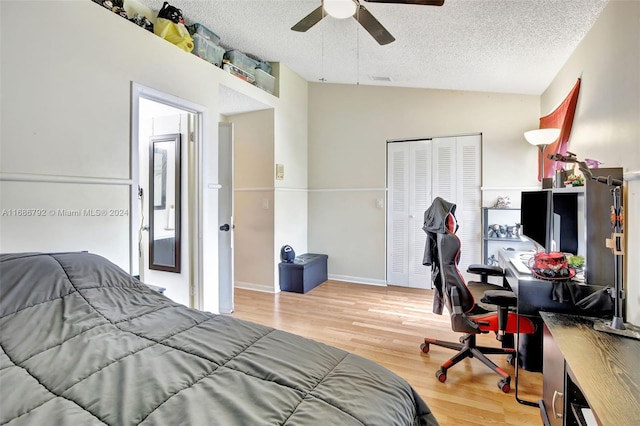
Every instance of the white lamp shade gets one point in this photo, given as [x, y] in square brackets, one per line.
[340, 9]
[542, 136]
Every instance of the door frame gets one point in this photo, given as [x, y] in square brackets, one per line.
[200, 140]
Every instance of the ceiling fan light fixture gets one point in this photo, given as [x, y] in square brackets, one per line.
[340, 9]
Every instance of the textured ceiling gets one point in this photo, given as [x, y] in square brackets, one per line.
[508, 46]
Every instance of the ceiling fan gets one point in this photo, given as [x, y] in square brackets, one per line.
[352, 8]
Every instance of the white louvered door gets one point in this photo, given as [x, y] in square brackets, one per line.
[398, 214]
[420, 162]
[457, 179]
[469, 202]
[409, 173]
[417, 172]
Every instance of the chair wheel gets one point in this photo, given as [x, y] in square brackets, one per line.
[511, 359]
[424, 348]
[504, 386]
[441, 375]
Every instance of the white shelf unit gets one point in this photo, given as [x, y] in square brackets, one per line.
[491, 245]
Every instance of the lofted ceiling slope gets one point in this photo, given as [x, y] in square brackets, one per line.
[505, 46]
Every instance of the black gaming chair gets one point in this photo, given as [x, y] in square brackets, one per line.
[474, 307]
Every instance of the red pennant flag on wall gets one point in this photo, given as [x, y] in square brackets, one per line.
[562, 118]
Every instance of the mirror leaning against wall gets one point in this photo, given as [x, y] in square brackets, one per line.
[164, 204]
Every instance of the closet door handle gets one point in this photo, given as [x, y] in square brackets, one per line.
[556, 394]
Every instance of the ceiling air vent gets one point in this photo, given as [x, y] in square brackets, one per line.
[379, 78]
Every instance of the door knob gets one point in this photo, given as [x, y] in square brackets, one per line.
[225, 227]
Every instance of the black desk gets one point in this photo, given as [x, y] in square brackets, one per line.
[534, 296]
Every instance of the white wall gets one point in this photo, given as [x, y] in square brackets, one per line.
[67, 101]
[254, 200]
[607, 120]
[348, 129]
[66, 106]
[60, 223]
[291, 150]
[269, 212]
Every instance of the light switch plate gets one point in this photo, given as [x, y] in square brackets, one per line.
[279, 171]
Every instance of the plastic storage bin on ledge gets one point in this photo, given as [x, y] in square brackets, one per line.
[238, 72]
[305, 273]
[264, 80]
[241, 61]
[204, 33]
[206, 45]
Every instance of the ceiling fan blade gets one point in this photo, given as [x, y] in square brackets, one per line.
[309, 21]
[373, 26]
[419, 2]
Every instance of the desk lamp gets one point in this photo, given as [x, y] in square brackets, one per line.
[541, 138]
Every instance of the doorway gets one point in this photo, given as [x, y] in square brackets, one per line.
[165, 214]
[156, 115]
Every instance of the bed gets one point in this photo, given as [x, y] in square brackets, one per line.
[84, 343]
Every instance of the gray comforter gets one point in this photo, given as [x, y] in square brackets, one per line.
[83, 343]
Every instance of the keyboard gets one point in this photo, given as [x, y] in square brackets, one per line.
[520, 266]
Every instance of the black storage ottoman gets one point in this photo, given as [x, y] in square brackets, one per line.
[305, 273]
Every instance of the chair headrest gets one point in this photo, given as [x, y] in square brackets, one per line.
[451, 224]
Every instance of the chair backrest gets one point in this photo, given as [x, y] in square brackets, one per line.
[444, 252]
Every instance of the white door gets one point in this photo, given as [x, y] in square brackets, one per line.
[417, 172]
[409, 174]
[225, 216]
[159, 119]
[469, 201]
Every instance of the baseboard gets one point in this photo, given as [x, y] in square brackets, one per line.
[253, 286]
[358, 280]
[345, 278]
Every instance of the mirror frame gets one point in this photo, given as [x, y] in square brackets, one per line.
[153, 140]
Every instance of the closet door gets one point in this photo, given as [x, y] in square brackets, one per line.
[468, 199]
[417, 172]
[457, 178]
[419, 199]
[408, 176]
[397, 214]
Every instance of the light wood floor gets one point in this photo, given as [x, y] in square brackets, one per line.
[387, 325]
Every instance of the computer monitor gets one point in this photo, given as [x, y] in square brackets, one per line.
[536, 217]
